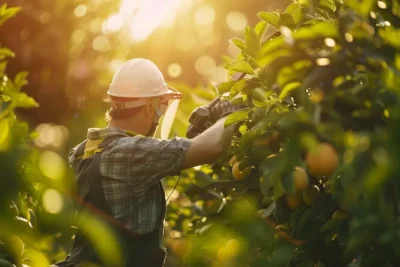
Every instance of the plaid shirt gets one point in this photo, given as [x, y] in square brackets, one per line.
[133, 167]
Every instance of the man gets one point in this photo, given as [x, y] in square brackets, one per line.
[119, 168]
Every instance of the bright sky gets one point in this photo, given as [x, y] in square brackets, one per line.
[140, 18]
[144, 16]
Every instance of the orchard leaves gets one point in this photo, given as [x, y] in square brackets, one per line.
[7, 13]
[240, 66]
[10, 95]
[322, 78]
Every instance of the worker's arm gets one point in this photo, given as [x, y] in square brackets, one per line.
[209, 145]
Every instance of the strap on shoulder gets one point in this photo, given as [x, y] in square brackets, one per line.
[108, 140]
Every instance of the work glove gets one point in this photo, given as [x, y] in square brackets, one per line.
[205, 116]
[222, 109]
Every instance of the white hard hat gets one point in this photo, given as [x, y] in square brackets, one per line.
[140, 78]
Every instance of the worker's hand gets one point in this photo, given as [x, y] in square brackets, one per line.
[205, 116]
[223, 108]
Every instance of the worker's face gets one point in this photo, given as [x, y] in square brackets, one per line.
[159, 107]
[155, 110]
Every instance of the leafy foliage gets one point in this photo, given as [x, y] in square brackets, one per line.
[327, 86]
[318, 144]
[25, 235]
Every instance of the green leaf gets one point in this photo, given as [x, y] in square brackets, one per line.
[261, 28]
[4, 133]
[225, 87]
[237, 116]
[391, 36]
[332, 225]
[241, 66]
[7, 13]
[286, 20]
[202, 179]
[363, 7]
[236, 88]
[21, 80]
[260, 97]
[318, 30]
[287, 183]
[303, 221]
[271, 17]
[294, 9]
[253, 46]
[248, 138]
[238, 42]
[5, 98]
[24, 101]
[265, 213]
[3, 66]
[5, 52]
[288, 88]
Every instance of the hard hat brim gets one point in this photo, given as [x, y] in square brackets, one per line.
[171, 92]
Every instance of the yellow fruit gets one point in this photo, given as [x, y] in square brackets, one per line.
[271, 156]
[300, 179]
[180, 246]
[240, 175]
[323, 160]
[233, 160]
[339, 214]
[310, 195]
[293, 201]
[15, 244]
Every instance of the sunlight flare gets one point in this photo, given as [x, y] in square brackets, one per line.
[142, 17]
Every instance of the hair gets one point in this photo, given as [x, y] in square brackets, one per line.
[119, 114]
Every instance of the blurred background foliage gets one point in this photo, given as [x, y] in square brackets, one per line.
[327, 85]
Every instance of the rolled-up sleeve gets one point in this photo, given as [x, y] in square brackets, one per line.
[143, 160]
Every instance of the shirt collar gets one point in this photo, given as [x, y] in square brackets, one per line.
[102, 133]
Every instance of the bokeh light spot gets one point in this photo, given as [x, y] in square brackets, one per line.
[382, 4]
[204, 65]
[113, 24]
[204, 15]
[101, 43]
[174, 70]
[78, 36]
[45, 17]
[330, 42]
[80, 10]
[237, 21]
[52, 165]
[51, 135]
[323, 61]
[218, 75]
[52, 201]
[349, 38]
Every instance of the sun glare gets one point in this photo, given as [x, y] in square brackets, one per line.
[144, 16]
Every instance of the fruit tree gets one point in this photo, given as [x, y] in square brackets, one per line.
[311, 177]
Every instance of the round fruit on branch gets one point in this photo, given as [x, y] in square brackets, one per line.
[238, 174]
[300, 179]
[323, 160]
